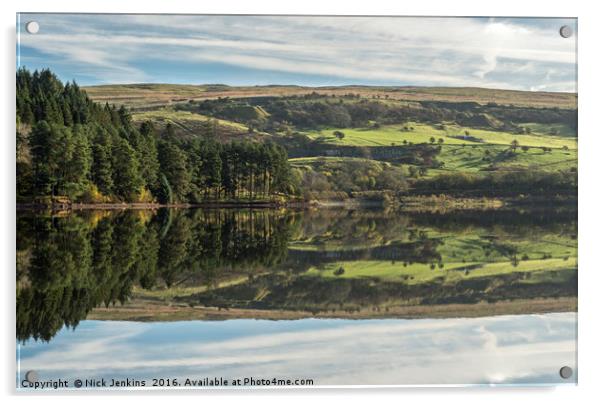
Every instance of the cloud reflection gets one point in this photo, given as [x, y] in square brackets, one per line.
[503, 349]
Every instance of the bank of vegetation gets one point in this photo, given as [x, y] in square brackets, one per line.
[288, 148]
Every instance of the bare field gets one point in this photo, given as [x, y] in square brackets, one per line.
[144, 96]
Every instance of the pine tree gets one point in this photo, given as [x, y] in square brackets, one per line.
[102, 166]
[79, 166]
[126, 176]
[148, 155]
[213, 169]
[174, 166]
[46, 152]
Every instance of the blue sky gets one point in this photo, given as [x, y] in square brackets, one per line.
[512, 53]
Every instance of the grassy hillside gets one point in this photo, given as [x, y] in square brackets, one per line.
[351, 140]
[190, 125]
[396, 135]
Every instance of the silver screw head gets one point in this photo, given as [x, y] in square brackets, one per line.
[31, 376]
[32, 27]
[566, 31]
[566, 372]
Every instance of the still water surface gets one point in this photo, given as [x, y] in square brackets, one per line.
[524, 349]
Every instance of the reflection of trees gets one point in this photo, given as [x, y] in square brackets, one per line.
[351, 228]
[526, 223]
[422, 251]
[74, 267]
[317, 295]
[59, 279]
[69, 265]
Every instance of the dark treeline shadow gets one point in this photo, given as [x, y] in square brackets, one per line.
[68, 265]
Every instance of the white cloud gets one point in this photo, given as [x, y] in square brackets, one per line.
[400, 51]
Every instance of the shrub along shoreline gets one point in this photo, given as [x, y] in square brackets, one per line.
[406, 202]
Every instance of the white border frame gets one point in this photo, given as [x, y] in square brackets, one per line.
[590, 144]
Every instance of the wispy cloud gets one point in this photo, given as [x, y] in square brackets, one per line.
[510, 53]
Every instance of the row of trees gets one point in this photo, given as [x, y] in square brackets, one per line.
[327, 178]
[318, 110]
[69, 146]
[500, 183]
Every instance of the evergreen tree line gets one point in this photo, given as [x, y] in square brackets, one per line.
[69, 146]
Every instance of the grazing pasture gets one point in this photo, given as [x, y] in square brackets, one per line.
[414, 133]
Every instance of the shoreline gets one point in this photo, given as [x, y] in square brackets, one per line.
[153, 206]
[409, 202]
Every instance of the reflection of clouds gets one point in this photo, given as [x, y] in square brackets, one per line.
[434, 351]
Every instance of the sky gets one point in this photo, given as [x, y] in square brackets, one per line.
[508, 53]
[501, 349]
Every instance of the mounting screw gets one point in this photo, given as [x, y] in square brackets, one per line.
[566, 372]
[31, 376]
[32, 27]
[566, 31]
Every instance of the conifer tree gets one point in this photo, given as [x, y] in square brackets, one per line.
[173, 164]
[126, 175]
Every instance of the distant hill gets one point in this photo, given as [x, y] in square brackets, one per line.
[144, 96]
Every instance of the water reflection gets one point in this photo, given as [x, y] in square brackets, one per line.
[502, 349]
[326, 262]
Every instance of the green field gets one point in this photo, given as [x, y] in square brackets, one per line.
[483, 157]
[557, 129]
[186, 120]
[395, 135]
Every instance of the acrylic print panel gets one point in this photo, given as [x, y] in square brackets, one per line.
[286, 201]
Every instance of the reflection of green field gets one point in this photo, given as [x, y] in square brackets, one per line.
[422, 133]
[309, 245]
[473, 244]
[420, 273]
[477, 249]
[167, 293]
